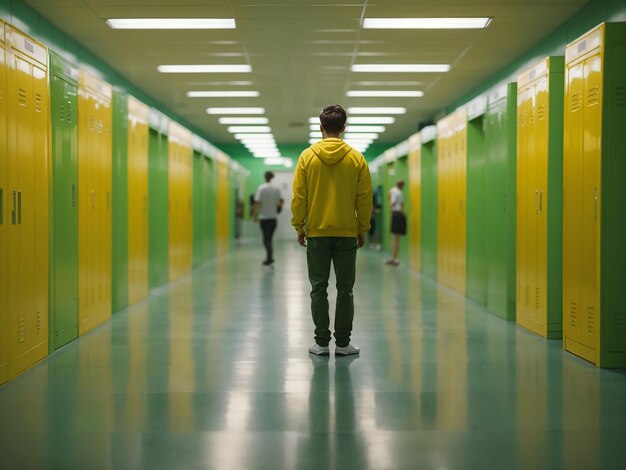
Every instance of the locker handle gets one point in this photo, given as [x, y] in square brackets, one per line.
[19, 207]
[536, 198]
[73, 195]
[1, 206]
[540, 202]
[595, 204]
[14, 210]
[93, 199]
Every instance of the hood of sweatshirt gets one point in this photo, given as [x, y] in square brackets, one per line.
[331, 151]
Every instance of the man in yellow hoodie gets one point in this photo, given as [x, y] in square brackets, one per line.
[332, 207]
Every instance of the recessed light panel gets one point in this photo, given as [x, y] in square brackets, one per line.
[362, 129]
[223, 94]
[413, 68]
[242, 111]
[205, 68]
[426, 23]
[377, 110]
[171, 23]
[385, 94]
[243, 120]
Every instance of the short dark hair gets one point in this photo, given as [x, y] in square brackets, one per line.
[268, 175]
[333, 118]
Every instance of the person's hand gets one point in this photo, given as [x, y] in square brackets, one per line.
[360, 240]
[302, 239]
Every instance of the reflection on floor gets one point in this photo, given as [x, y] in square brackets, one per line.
[213, 372]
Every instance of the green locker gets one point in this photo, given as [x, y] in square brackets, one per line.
[120, 202]
[158, 243]
[64, 213]
[476, 199]
[500, 151]
[429, 202]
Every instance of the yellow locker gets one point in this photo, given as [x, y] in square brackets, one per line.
[452, 193]
[593, 271]
[415, 184]
[180, 210]
[538, 197]
[4, 210]
[27, 163]
[137, 200]
[94, 201]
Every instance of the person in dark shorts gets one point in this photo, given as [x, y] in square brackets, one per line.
[398, 220]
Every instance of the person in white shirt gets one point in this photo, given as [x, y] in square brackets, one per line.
[398, 220]
[268, 202]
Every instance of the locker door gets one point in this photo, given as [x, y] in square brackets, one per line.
[65, 172]
[4, 218]
[520, 252]
[591, 160]
[538, 295]
[414, 195]
[461, 230]
[27, 98]
[572, 204]
[106, 147]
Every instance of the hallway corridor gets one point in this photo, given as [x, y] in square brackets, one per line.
[213, 372]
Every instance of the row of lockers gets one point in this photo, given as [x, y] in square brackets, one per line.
[96, 204]
[520, 205]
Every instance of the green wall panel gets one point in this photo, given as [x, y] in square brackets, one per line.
[429, 209]
[119, 262]
[476, 199]
[158, 264]
[500, 219]
[64, 207]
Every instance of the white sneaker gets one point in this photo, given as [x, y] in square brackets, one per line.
[346, 350]
[319, 350]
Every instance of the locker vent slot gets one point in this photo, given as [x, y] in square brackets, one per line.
[38, 102]
[541, 112]
[537, 297]
[38, 329]
[620, 96]
[573, 314]
[527, 297]
[531, 119]
[575, 102]
[21, 329]
[62, 113]
[593, 96]
[21, 97]
[619, 323]
[590, 319]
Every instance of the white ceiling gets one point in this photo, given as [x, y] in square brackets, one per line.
[301, 51]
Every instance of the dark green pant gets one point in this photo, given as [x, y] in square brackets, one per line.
[319, 253]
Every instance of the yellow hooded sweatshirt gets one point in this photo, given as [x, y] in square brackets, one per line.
[332, 191]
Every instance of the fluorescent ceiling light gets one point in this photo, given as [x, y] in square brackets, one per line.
[365, 128]
[316, 135]
[313, 141]
[351, 135]
[209, 68]
[274, 161]
[227, 83]
[222, 111]
[171, 23]
[362, 120]
[426, 23]
[223, 94]
[400, 68]
[254, 137]
[249, 129]
[384, 93]
[389, 83]
[243, 120]
[261, 147]
[372, 120]
[373, 110]
[266, 154]
[356, 140]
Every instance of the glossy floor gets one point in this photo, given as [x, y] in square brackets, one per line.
[213, 372]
